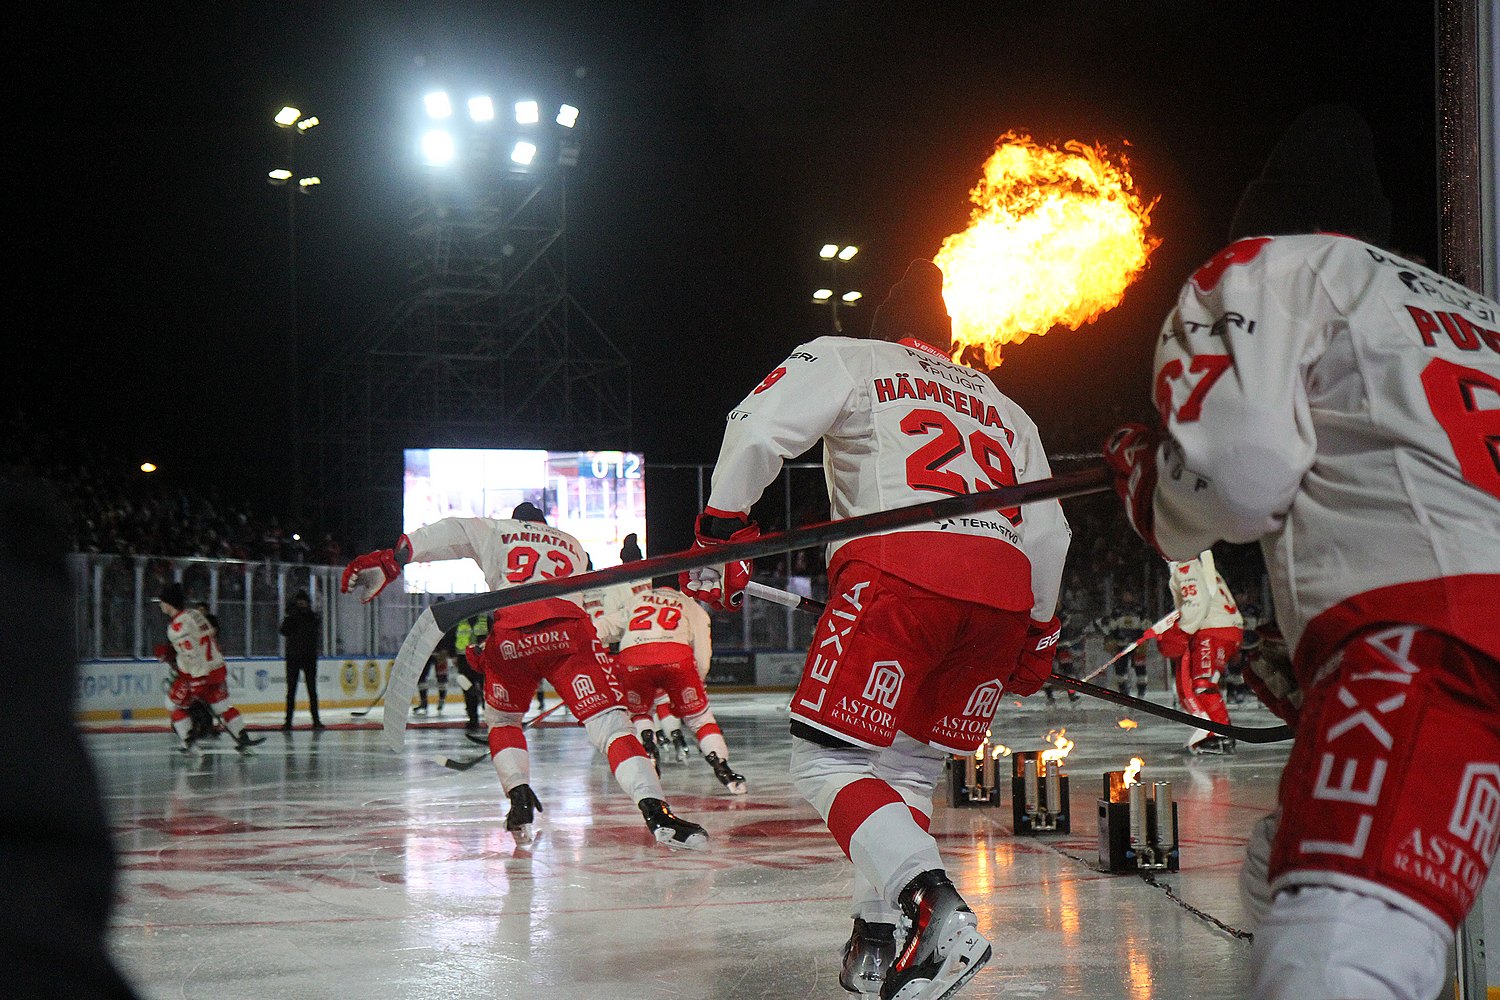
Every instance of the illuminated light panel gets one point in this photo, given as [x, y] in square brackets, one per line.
[307, 183]
[823, 295]
[527, 113]
[287, 116]
[567, 116]
[438, 105]
[148, 466]
[523, 153]
[308, 123]
[829, 251]
[848, 253]
[438, 148]
[852, 297]
[280, 176]
[481, 109]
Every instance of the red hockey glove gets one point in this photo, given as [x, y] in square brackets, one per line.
[1131, 454]
[1271, 676]
[723, 585]
[165, 653]
[1172, 644]
[367, 575]
[1035, 664]
[475, 655]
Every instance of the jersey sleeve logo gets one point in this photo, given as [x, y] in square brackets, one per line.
[1206, 278]
[769, 380]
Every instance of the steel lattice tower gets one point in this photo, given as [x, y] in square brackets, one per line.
[489, 350]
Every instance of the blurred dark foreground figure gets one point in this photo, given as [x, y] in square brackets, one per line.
[56, 861]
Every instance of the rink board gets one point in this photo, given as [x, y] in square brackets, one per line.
[136, 689]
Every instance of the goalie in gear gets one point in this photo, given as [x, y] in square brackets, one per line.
[1324, 396]
[553, 639]
[925, 627]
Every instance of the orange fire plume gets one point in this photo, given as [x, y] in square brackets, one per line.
[1062, 746]
[1127, 724]
[1054, 239]
[1133, 772]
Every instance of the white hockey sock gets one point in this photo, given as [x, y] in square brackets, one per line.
[612, 735]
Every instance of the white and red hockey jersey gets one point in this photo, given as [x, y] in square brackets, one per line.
[1342, 406]
[193, 640]
[609, 606]
[664, 615]
[901, 424]
[509, 553]
[1202, 598]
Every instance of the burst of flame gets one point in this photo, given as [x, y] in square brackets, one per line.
[1127, 724]
[1062, 746]
[1001, 750]
[1054, 239]
[1133, 771]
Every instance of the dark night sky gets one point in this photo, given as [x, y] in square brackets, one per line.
[731, 139]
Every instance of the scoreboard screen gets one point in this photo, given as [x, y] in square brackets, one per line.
[599, 497]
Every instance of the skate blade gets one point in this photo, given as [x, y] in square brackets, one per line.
[967, 954]
[738, 788]
[526, 835]
[694, 842]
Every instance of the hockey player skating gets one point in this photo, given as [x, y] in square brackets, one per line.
[1120, 628]
[201, 672]
[553, 638]
[924, 626]
[666, 645]
[1069, 649]
[1199, 644]
[1338, 403]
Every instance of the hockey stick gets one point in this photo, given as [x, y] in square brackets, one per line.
[464, 765]
[1245, 734]
[439, 618]
[378, 699]
[1167, 621]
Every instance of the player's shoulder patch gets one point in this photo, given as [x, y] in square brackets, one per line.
[1207, 277]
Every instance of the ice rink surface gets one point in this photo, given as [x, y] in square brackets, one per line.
[325, 866]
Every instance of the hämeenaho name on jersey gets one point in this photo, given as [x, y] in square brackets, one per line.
[904, 386]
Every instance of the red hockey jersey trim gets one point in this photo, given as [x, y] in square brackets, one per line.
[1464, 607]
[535, 612]
[965, 567]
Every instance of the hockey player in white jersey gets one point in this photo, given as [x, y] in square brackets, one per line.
[1200, 643]
[666, 645]
[202, 674]
[924, 626]
[1341, 405]
[552, 638]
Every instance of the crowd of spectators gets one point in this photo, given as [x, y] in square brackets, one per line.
[115, 509]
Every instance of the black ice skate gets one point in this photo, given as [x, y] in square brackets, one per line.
[244, 741]
[868, 955]
[679, 746]
[943, 946]
[653, 750]
[726, 775]
[1213, 745]
[674, 831]
[521, 820]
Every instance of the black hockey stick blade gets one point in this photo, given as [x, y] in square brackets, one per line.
[1244, 734]
[1092, 479]
[460, 765]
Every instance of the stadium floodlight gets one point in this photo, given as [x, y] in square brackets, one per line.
[438, 105]
[481, 109]
[527, 113]
[823, 295]
[148, 467]
[438, 148]
[848, 252]
[523, 153]
[287, 116]
[306, 184]
[278, 177]
[829, 251]
[567, 116]
[308, 123]
[852, 297]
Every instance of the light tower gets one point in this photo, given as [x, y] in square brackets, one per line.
[833, 294]
[488, 349]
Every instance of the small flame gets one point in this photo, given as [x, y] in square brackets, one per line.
[1059, 740]
[1054, 239]
[1127, 724]
[1133, 771]
[1001, 750]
